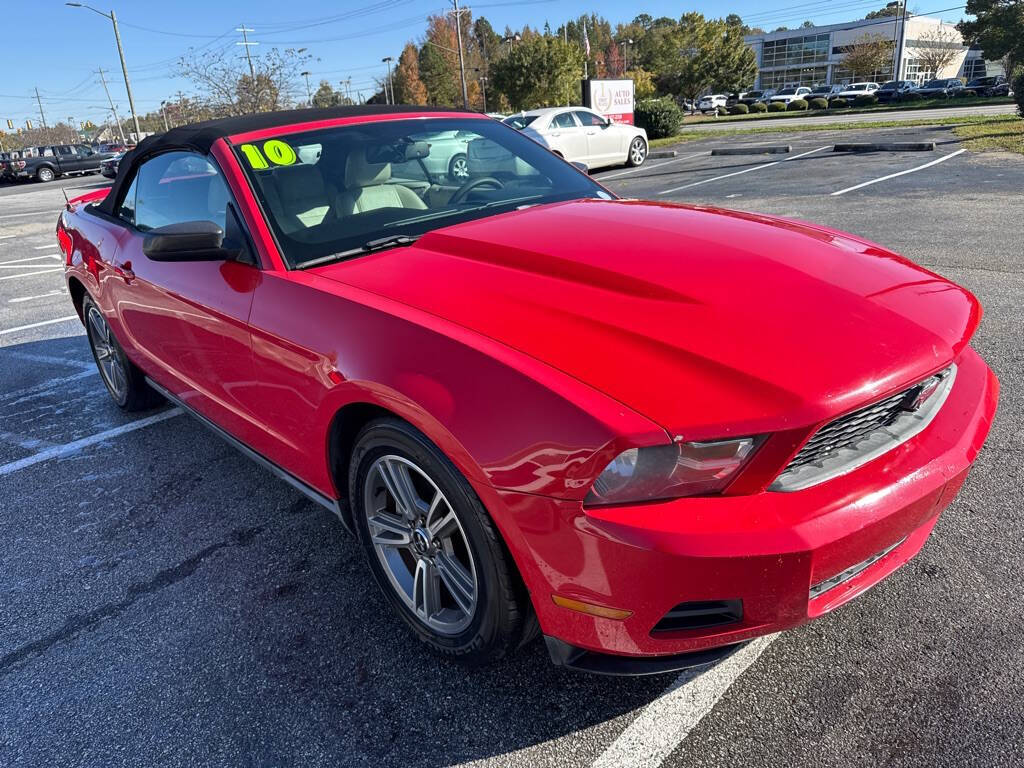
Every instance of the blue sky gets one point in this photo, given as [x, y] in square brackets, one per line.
[58, 48]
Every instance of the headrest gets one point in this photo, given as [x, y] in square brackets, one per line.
[360, 173]
[300, 181]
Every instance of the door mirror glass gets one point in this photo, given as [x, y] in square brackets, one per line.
[187, 241]
[581, 167]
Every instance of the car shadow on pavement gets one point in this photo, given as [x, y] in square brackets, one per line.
[191, 603]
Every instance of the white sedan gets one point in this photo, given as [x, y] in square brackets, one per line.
[581, 135]
[712, 102]
[853, 90]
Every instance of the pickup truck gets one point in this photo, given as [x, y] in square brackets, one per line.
[48, 162]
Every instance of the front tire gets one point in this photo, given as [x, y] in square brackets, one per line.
[458, 168]
[123, 379]
[45, 174]
[432, 548]
[637, 152]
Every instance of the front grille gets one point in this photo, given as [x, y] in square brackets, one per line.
[849, 429]
[852, 440]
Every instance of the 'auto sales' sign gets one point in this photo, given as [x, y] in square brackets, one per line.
[612, 98]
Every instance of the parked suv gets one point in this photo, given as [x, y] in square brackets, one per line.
[895, 90]
[787, 95]
[942, 88]
[853, 90]
[824, 91]
[48, 162]
[753, 97]
[988, 86]
[712, 102]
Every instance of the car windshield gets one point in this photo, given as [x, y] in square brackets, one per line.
[787, 92]
[339, 192]
[822, 89]
[892, 85]
[519, 121]
[858, 87]
[935, 84]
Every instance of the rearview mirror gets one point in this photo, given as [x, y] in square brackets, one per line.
[188, 241]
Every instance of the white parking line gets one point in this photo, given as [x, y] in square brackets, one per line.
[41, 247]
[20, 299]
[668, 720]
[30, 258]
[60, 451]
[37, 325]
[29, 274]
[938, 160]
[650, 167]
[745, 170]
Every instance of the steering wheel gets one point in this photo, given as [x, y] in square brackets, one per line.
[463, 192]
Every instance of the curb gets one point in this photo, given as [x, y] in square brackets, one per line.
[893, 146]
[774, 149]
[660, 153]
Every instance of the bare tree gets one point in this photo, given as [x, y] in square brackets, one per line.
[938, 48]
[61, 133]
[227, 87]
[868, 54]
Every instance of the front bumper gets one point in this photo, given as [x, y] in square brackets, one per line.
[785, 557]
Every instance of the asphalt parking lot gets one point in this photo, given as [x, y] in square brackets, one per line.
[166, 602]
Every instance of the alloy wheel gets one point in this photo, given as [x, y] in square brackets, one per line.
[460, 168]
[637, 151]
[107, 358]
[421, 544]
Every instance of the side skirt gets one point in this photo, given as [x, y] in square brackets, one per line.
[332, 504]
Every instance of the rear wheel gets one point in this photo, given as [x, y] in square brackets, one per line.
[123, 380]
[458, 168]
[432, 548]
[637, 152]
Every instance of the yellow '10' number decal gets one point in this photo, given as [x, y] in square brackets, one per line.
[276, 150]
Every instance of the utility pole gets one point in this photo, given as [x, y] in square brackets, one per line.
[163, 114]
[124, 67]
[245, 42]
[388, 99]
[42, 117]
[462, 63]
[897, 71]
[113, 110]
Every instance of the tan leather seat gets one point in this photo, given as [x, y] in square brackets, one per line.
[367, 188]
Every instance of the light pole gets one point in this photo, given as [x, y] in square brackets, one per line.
[482, 79]
[388, 100]
[625, 58]
[309, 94]
[163, 114]
[124, 67]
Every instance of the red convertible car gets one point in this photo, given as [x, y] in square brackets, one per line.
[649, 432]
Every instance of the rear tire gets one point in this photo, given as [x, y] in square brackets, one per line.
[458, 169]
[446, 547]
[122, 378]
[637, 152]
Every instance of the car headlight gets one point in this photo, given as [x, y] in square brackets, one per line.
[670, 471]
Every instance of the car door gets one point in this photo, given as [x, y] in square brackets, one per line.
[604, 143]
[88, 160]
[186, 321]
[567, 137]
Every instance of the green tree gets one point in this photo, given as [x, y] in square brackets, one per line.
[643, 83]
[881, 13]
[539, 72]
[998, 29]
[698, 54]
[326, 96]
[868, 54]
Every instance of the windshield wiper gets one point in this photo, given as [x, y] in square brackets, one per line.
[380, 244]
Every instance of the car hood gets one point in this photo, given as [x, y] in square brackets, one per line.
[707, 321]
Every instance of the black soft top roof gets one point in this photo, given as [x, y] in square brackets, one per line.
[201, 136]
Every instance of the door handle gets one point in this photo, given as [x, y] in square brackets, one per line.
[591, 133]
[556, 133]
[124, 271]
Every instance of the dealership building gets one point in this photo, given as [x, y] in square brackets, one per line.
[814, 55]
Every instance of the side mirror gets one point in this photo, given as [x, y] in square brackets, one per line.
[188, 241]
[581, 167]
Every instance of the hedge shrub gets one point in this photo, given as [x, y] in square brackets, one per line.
[838, 104]
[739, 109]
[661, 118]
[1017, 84]
[722, 111]
[818, 103]
[797, 105]
[777, 106]
[865, 100]
[758, 106]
